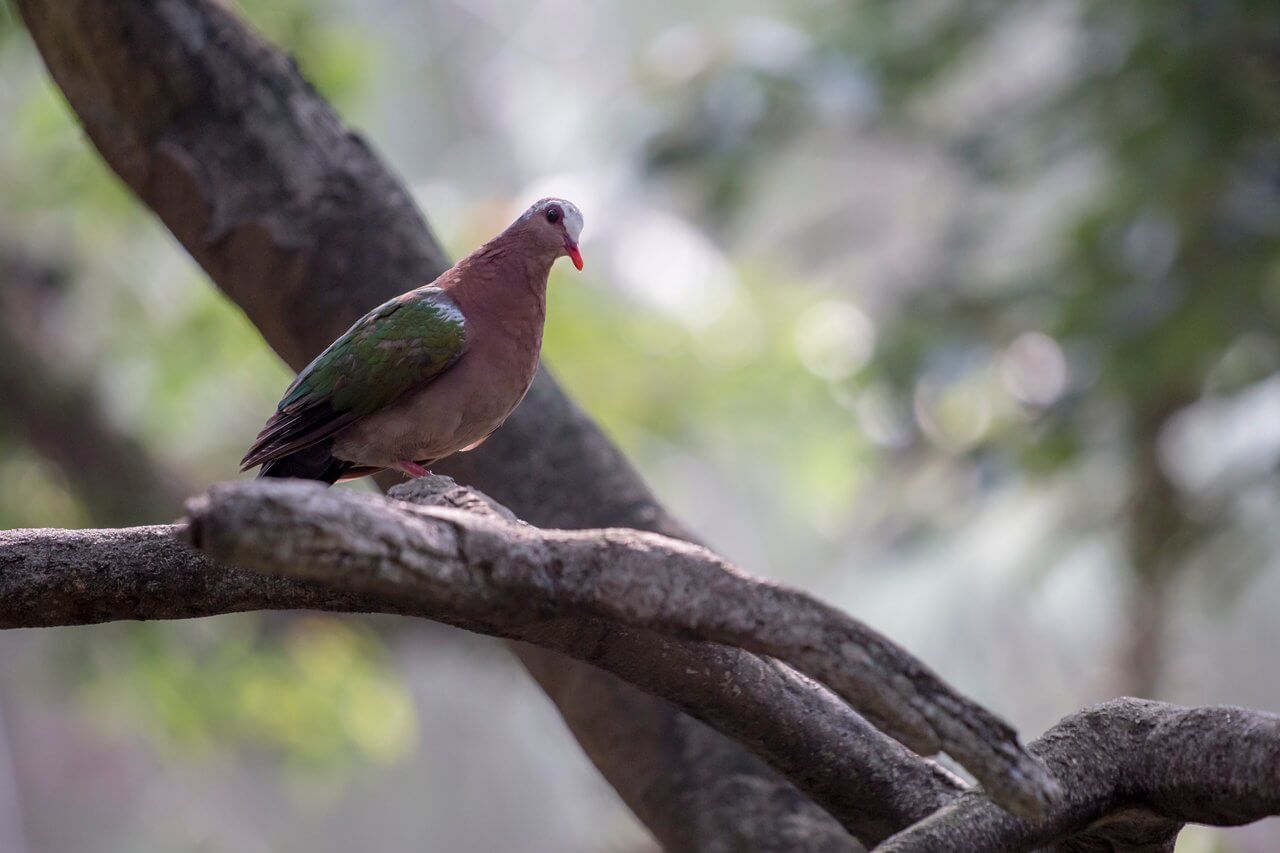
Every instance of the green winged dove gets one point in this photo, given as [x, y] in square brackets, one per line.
[428, 373]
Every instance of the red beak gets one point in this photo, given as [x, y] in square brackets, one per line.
[574, 255]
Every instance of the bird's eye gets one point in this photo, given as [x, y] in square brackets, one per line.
[553, 214]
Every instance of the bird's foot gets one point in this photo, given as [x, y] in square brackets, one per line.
[413, 469]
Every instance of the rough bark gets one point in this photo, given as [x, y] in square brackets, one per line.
[469, 563]
[629, 577]
[1134, 771]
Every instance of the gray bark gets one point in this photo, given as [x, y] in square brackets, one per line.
[1134, 772]
[468, 563]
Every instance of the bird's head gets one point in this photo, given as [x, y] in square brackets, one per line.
[557, 224]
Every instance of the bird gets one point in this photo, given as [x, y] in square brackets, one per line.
[428, 373]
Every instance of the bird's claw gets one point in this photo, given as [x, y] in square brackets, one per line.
[413, 469]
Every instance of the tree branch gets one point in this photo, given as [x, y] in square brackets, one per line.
[1134, 772]
[488, 574]
[468, 563]
[870, 783]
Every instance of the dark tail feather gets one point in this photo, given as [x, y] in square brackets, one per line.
[309, 463]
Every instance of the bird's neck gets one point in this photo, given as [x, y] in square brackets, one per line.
[505, 283]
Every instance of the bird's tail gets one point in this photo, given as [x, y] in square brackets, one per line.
[316, 462]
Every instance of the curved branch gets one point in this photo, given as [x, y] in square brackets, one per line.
[870, 783]
[477, 568]
[1134, 772]
[489, 575]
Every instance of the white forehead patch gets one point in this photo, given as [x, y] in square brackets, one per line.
[572, 216]
[572, 221]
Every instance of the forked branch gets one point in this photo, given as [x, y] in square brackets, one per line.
[490, 574]
[461, 560]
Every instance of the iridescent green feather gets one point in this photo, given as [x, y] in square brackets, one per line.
[398, 345]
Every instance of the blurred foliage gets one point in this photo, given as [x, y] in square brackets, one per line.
[33, 492]
[1175, 258]
[634, 367]
[314, 692]
[1156, 289]
[1086, 291]
[9, 23]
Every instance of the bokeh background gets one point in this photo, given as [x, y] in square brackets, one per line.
[961, 315]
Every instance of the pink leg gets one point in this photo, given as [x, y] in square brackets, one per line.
[413, 469]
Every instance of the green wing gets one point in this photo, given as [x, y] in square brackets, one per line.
[399, 345]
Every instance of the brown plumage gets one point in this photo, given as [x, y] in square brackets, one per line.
[430, 373]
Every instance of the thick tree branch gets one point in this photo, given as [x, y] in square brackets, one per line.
[52, 577]
[472, 565]
[1134, 772]
[487, 574]
[870, 783]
